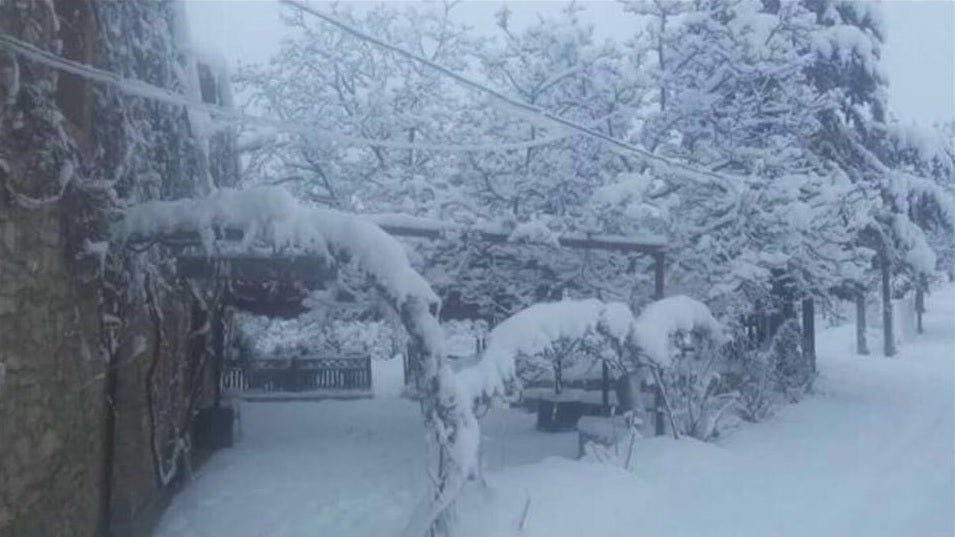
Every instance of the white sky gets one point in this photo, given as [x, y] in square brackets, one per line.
[919, 55]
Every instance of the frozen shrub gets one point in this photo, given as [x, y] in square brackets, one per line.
[792, 371]
[770, 373]
[696, 387]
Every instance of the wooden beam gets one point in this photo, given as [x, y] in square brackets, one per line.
[310, 270]
[611, 243]
[659, 261]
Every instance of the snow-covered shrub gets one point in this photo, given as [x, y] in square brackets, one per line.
[770, 373]
[755, 381]
[792, 371]
[695, 386]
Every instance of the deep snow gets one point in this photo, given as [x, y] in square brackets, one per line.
[870, 453]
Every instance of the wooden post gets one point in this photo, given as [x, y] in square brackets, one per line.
[659, 428]
[659, 259]
[368, 380]
[605, 388]
[919, 306]
[887, 328]
[218, 345]
[862, 346]
[809, 332]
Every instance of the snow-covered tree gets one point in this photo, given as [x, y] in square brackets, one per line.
[857, 137]
[734, 97]
[348, 87]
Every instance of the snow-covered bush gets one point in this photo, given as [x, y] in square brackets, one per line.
[678, 341]
[695, 386]
[317, 333]
[755, 381]
[768, 375]
[792, 371]
[541, 337]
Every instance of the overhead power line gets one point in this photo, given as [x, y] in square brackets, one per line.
[138, 88]
[689, 172]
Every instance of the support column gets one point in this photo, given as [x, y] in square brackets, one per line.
[659, 261]
[605, 388]
[218, 347]
[919, 306]
[659, 428]
[809, 332]
[862, 346]
[887, 328]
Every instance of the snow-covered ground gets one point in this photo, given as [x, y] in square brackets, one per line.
[869, 454]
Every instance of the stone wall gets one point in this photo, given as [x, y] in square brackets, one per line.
[51, 382]
[51, 373]
[101, 360]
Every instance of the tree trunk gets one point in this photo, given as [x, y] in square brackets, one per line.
[887, 328]
[919, 305]
[862, 346]
[809, 332]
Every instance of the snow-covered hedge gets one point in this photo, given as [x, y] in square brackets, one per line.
[645, 339]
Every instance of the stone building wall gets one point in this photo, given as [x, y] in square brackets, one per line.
[98, 371]
[51, 382]
[51, 373]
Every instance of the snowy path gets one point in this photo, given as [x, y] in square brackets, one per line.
[869, 455]
[337, 468]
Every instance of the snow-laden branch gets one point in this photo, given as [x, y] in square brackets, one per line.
[662, 164]
[273, 216]
[142, 89]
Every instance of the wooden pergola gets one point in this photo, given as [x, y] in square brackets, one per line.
[314, 271]
[292, 276]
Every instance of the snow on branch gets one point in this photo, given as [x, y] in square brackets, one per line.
[662, 165]
[142, 89]
[272, 216]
